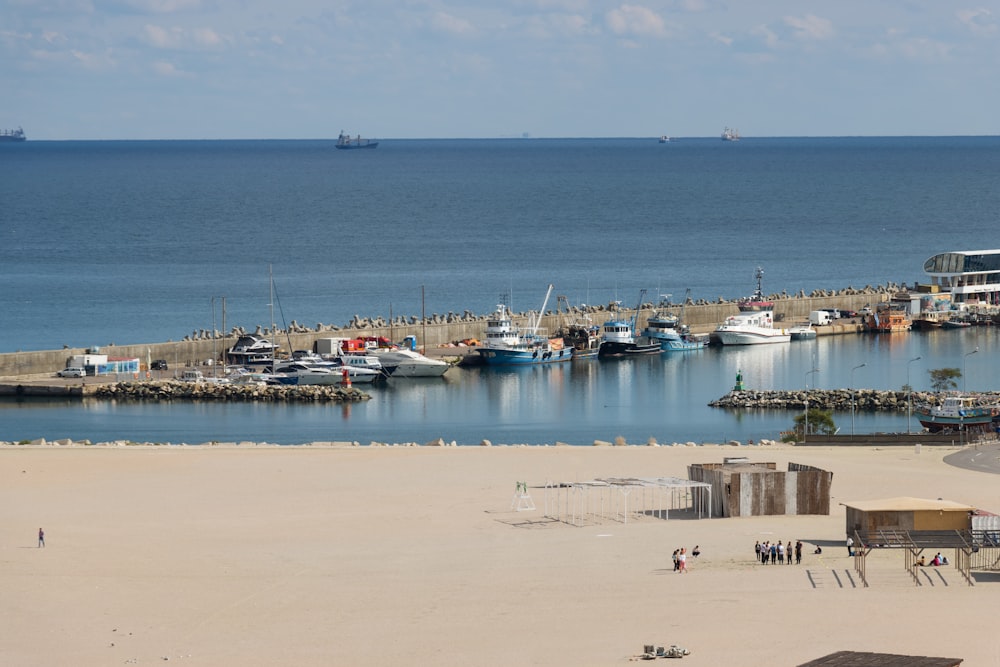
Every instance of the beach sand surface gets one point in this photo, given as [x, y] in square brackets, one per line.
[305, 555]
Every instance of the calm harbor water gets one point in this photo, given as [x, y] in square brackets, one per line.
[664, 397]
[132, 242]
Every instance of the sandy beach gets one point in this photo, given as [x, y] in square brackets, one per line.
[412, 556]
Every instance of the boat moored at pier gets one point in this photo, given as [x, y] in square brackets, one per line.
[508, 345]
[618, 337]
[754, 324]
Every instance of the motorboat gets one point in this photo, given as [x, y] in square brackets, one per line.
[754, 324]
[506, 344]
[403, 363]
[802, 332]
[251, 350]
[666, 327]
[299, 373]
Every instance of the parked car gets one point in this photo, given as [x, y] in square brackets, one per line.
[834, 313]
[847, 313]
[72, 372]
[159, 365]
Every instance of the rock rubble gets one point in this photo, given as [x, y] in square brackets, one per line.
[171, 390]
[865, 400]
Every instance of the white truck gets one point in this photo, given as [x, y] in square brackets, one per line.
[819, 318]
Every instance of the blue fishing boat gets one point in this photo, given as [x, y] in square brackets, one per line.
[957, 413]
[666, 327]
[345, 142]
[618, 337]
[506, 344]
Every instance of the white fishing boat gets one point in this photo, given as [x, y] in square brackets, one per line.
[754, 324]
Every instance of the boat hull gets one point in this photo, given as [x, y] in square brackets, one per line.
[934, 423]
[751, 337]
[515, 357]
[612, 348]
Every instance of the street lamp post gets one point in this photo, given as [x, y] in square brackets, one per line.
[965, 361]
[805, 431]
[852, 396]
[909, 394]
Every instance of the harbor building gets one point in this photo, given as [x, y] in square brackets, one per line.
[965, 277]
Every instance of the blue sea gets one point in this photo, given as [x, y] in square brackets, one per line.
[132, 242]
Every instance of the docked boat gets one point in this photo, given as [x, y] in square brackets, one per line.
[344, 142]
[730, 134]
[12, 136]
[506, 344]
[956, 412]
[618, 338]
[673, 336]
[886, 319]
[754, 324]
[955, 324]
[301, 373]
[250, 350]
[802, 332]
[403, 363]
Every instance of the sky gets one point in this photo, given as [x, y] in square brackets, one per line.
[307, 69]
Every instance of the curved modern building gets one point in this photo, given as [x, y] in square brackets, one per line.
[969, 276]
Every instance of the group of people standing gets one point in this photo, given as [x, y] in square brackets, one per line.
[778, 553]
[680, 558]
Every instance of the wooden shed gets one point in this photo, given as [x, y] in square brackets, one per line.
[871, 517]
[742, 488]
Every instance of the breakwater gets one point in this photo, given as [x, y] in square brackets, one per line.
[209, 391]
[437, 330]
[864, 400]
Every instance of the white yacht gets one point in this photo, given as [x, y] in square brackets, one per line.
[408, 364]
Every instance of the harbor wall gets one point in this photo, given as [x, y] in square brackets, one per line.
[436, 332]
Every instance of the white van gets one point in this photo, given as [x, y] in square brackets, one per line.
[819, 318]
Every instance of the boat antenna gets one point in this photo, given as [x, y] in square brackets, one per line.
[288, 334]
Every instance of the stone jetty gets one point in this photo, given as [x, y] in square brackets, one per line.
[865, 400]
[208, 391]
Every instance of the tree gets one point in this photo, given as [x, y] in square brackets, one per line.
[943, 379]
[820, 422]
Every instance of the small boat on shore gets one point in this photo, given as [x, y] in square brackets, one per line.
[955, 413]
[345, 142]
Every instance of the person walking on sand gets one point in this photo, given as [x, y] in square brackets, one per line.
[774, 554]
[756, 549]
[677, 560]
[788, 552]
[41, 538]
[682, 561]
[798, 552]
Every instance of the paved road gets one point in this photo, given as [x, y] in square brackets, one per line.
[983, 458]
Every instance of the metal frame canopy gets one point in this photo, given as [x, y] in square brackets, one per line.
[618, 498]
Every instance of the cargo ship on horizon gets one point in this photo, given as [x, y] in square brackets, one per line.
[12, 135]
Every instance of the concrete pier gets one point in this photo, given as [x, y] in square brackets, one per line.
[438, 331]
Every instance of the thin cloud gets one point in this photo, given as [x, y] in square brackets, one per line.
[636, 20]
[809, 27]
[979, 21]
[452, 25]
